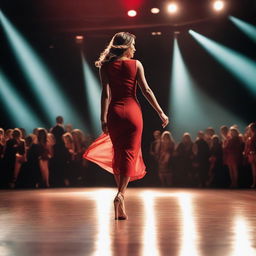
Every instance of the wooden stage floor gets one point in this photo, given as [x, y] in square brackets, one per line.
[79, 221]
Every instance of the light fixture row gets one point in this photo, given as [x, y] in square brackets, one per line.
[173, 7]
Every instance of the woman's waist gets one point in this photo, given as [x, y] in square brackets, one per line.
[124, 100]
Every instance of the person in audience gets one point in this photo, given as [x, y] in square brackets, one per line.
[250, 151]
[234, 155]
[2, 148]
[15, 155]
[201, 158]
[216, 161]
[2, 143]
[209, 132]
[58, 161]
[79, 162]
[44, 156]
[184, 155]
[70, 157]
[31, 176]
[155, 145]
[166, 151]
[8, 134]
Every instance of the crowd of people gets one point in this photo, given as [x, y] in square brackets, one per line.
[53, 158]
[205, 161]
[43, 158]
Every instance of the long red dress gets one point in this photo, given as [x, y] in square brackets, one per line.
[120, 151]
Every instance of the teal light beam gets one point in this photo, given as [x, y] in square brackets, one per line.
[45, 88]
[20, 112]
[237, 64]
[190, 109]
[93, 95]
[247, 28]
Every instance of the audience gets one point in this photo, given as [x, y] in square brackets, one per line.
[54, 158]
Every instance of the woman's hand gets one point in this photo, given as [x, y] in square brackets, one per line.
[164, 119]
[104, 127]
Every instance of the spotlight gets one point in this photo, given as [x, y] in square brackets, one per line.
[172, 7]
[155, 10]
[218, 5]
[176, 34]
[79, 39]
[157, 33]
[131, 13]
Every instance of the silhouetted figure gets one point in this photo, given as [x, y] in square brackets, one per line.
[69, 171]
[201, 158]
[44, 156]
[58, 161]
[216, 162]
[167, 146]
[184, 157]
[14, 157]
[250, 151]
[30, 172]
[2, 148]
[234, 155]
[209, 132]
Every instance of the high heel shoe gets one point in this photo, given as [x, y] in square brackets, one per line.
[119, 207]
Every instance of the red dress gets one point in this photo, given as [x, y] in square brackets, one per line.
[120, 151]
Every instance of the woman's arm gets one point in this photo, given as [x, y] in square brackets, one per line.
[149, 95]
[105, 97]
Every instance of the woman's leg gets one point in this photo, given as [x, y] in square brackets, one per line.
[117, 179]
[124, 181]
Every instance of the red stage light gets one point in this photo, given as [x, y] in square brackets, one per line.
[131, 13]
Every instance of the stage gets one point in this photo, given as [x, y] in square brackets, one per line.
[80, 221]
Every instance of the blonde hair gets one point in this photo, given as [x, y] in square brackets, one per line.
[119, 43]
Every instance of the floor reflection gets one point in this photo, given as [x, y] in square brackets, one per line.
[242, 238]
[149, 240]
[103, 207]
[189, 234]
[174, 222]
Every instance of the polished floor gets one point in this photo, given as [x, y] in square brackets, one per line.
[79, 221]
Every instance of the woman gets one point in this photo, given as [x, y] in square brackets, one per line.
[215, 159]
[166, 152]
[234, 155]
[121, 115]
[15, 156]
[44, 155]
[250, 151]
[184, 154]
[69, 156]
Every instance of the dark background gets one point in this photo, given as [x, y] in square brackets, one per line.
[51, 27]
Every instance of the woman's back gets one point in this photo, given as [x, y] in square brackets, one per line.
[122, 78]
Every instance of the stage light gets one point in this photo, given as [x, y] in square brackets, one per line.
[155, 10]
[189, 108]
[79, 39]
[46, 90]
[157, 33]
[172, 7]
[218, 5]
[17, 109]
[93, 96]
[248, 29]
[131, 13]
[241, 67]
